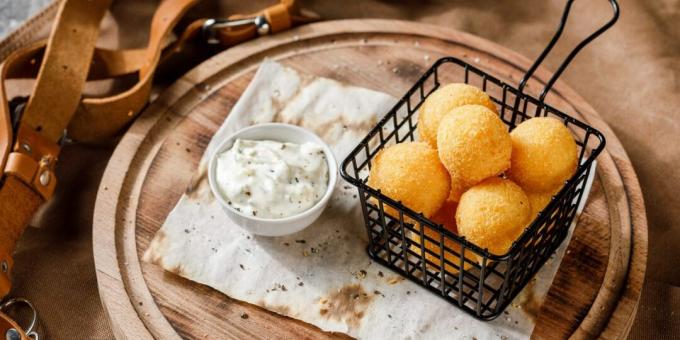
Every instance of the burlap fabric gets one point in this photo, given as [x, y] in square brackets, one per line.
[631, 76]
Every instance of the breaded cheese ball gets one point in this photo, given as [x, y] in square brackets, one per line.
[411, 173]
[538, 201]
[448, 254]
[473, 144]
[446, 216]
[493, 213]
[544, 154]
[442, 101]
[458, 187]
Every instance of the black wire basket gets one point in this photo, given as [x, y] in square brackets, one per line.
[480, 283]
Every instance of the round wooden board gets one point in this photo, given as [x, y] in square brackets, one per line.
[594, 293]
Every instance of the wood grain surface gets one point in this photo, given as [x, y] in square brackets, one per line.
[594, 293]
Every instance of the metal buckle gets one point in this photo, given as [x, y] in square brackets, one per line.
[211, 25]
[30, 330]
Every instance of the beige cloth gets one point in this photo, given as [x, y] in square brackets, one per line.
[630, 76]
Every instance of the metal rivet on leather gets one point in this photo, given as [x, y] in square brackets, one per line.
[45, 178]
[4, 266]
[263, 30]
[45, 160]
[262, 25]
[26, 147]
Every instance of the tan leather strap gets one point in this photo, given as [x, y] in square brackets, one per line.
[64, 69]
[104, 117]
[28, 168]
[100, 118]
[62, 65]
[279, 17]
[28, 173]
[105, 63]
[19, 203]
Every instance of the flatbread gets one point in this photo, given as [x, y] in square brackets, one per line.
[322, 274]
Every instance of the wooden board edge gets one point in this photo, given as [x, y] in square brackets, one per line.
[626, 309]
[109, 278]
[306, 32]
[121, 311]
[629, 289]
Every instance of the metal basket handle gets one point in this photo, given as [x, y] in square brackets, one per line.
[572, 54]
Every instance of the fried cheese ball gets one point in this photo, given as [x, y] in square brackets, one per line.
[446, 216]
[442, 101]
[411, 173]
[473, 144]
[493, 213]
[538, 201]
[458, 187]
[544, 154]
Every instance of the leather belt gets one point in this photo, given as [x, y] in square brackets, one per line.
[30, 136]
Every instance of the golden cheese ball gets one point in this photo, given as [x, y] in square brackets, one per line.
[544, 154]
[538, 201]
[443, 100]
[446, 217]
[449, 245]
[411, 173]
[473, 144]
[458, 187]
[493, 213]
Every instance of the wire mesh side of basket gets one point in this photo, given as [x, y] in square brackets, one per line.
[478, 282]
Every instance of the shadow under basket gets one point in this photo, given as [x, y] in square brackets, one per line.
[452, 267]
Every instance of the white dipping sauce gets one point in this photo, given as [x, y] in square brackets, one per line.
[269, 179]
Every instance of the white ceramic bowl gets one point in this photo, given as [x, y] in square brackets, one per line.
[280, 133]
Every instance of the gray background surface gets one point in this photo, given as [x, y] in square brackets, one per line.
[14, 12]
